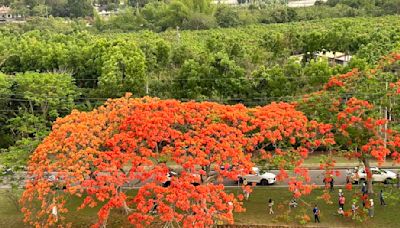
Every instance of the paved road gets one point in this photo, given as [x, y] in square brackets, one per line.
[315, 175]
[302, 3]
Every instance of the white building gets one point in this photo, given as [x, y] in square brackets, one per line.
[6, 14]
[227, 2]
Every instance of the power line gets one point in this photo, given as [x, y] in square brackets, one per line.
[83, 99]
[203, 79]
[243, 100]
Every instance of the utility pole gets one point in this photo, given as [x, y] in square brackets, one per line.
[178, 35]
[386, 118]
[147, 84]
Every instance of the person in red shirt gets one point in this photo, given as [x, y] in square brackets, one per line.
[342, 201]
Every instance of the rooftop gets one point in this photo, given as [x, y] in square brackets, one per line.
[5, 9]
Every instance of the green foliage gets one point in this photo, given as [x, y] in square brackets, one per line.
[317, 73]
[46, 93]
[123, 70]
[227, 17]
[270, 82]
[5, 90]
[249, 64]
[215, 77]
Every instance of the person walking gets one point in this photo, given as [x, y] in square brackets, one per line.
[270, 205]
[342, 201]
[382, 198]
[316, 213]
[371, 208]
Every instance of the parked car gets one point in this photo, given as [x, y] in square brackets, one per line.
[378, 175]
[258, 178]
[170, 174]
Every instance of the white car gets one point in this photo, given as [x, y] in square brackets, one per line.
[378, 175]
[170, 174]
[258, 178]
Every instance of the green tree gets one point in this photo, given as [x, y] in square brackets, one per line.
[5, 95]
[270, 83]
[79, 8]
[212, 77]
[46, 94]
[5, 90]
[227, 17]
[175, 15]
[316, 73]
[124, 70]
[39, 100]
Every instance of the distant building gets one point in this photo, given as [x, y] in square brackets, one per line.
[331, 56]
[227, 2]
[103, 12]
[6, 14]
[334, 57]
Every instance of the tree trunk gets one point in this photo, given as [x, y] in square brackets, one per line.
[369, 179]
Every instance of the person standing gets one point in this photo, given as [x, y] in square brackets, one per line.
[342, 201]
[382, 198]
[54, 210]
[364, 199]
[340, 192]
[398, 179]
[364, 189]
[230, 206]
[316, 214]
[354, 209]
[348, 175]
[270, 205]
[292, 203]
[331, 183]
[371, 208]
[245, 192]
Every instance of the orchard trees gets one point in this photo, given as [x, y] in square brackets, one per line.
[5, 89]
[5, 94]
[123, 69]
[216, 77]
[34, 101]
[130, 141]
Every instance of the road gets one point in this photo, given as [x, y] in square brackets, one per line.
[302, 3]
[316, 177]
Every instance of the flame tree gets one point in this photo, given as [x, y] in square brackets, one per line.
[128, 141]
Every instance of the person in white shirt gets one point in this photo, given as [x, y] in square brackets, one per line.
[348, 175]
[54, 210]
[371, 208]
[270, 205]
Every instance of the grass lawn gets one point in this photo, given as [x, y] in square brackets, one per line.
[385, 217]
[257, 213]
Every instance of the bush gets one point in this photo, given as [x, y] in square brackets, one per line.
[197, 21]
[227, 17]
